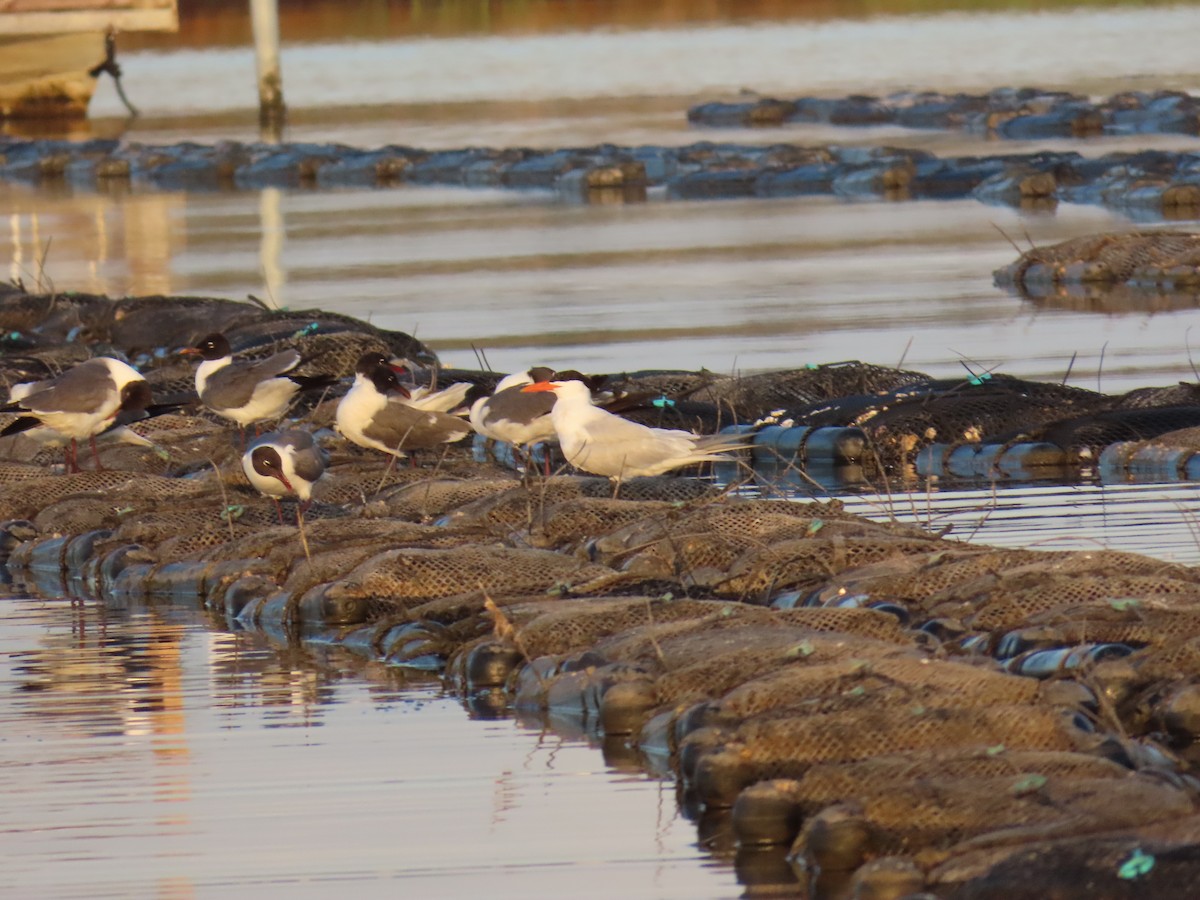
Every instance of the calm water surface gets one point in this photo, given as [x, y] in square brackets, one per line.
[145, 753]
[149, 752]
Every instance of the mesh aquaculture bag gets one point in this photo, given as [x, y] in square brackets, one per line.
[1155, 860]
[787, 745]
[567, 522]
[745, 522]
[809, 561]
[1084, 437]
[1011, 601]
[827, 783]
[714, 662]
[516, 507]
[52, 316]
[580, 624]
[971, 415]
[396, 579]
[940, 811]
[24, 499]
[922, 677]
[939, 576]
[432, 497]
[359, 481]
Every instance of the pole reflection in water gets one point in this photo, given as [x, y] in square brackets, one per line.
[273, 234]
[131, 243]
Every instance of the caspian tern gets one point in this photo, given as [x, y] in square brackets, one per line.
[602, 443]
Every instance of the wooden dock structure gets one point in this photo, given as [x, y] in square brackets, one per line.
[48, 47]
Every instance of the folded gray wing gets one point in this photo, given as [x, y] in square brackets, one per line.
[307, 458]
[274, 366]
[233, 386]
[82, 389]
[399, 426]
[514, 405]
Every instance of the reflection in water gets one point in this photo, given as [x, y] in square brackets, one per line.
[1157, 520]
[102, 700]
[1106, 298]
[1065, 510]
[140, 233]
[270, 251]
[146, 753]
[107, 683]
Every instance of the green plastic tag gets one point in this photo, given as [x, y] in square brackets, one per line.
[1138, 864]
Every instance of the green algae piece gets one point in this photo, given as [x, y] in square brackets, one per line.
[1027, 784]
[802, 650]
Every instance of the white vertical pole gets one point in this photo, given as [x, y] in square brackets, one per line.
[264, 18]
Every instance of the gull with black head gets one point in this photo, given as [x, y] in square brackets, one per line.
[450, 399]
[249, 391]
[285, 463]
[374, 413]
[82, 402]
[514, 416]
